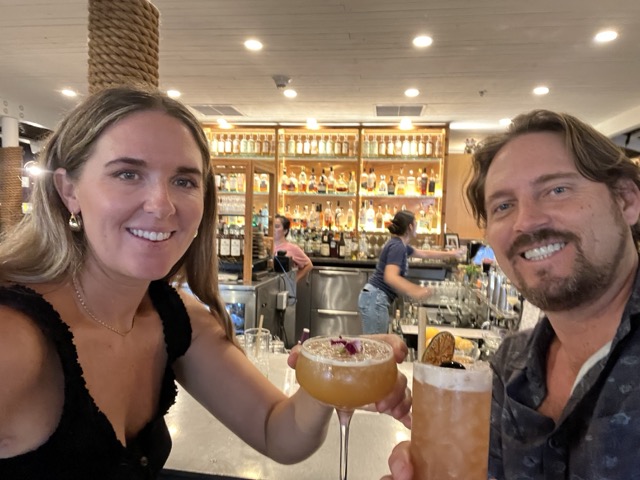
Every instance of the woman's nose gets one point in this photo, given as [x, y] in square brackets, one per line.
[159, 201]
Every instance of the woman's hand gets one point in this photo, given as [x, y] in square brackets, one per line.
[400, 463]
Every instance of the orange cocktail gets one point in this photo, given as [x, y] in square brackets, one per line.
[346, 373]
[331, 374]
[451, 418]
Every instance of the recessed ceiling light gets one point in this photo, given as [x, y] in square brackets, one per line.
[312, 124]
[174, 93]
[253, 44]
[422, 41]
[505, 122]
[67, 92]
[606, 36]
[541, 90]
[405, 124]
[222, 123]
[290, 93]
[412, 92]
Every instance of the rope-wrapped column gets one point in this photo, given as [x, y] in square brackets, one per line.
[123, 43]
[10, 187]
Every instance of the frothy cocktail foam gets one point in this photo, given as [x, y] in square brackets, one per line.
[321, 350]
[476, 378]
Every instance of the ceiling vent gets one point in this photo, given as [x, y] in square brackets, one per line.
[217, 110]
[399, 110]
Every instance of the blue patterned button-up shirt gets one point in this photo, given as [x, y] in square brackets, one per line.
[598, 434]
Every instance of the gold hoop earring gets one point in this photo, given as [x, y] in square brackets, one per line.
[75, 222]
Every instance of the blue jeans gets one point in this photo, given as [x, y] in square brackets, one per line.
[373, 304]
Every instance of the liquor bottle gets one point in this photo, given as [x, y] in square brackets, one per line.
[401, 186]
[379, 219]
[266, 145]
[413, 147]
[322, 146]
[352, 188]
[257, 145]
[306, 146]
[322, 183]
[243, 144]
[432, 183]
[398, 146]
[329, 145]
[302, 181]
[429, 219]
[421, 146]
[225, 242]
[337, 147]
[391, 147]
[382, 186]
[373, 146]
[328, 217]
[341, 185]
[370, 217]
[284, 181]
[346, 144]
[362, 219]
[338, 217]
[411, 184]
[314, 145]
[406, 147]
[235, 243]
[235, 145]
[295, 220]
[437, 148]
[438, 186]
[391, 186]
[342, 247]
[350, 223]
[331, 182]
[227, 145]
[214, 145]
[314, 217]
[256, 183]
[422, 217]
[291, 146]
[299, 145]
[304, 217]
[333, 244]
[313, 186]
[293, 182]
[324, 247]
[282, 146]
[264, 183]
[364, 181]
[251, 145]
[386, 218]
[371, 181]
[382, 147]
[233, 182]
[424, 182]
[429, 147]
[366, 146]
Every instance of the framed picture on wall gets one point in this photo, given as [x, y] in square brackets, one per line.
[451, 241]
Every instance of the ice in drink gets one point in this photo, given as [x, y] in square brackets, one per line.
[451, 417]
[331, 374]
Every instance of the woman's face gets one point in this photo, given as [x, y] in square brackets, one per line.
[140, 194]
[278, 231]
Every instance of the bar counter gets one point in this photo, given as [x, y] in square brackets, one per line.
[201, 444]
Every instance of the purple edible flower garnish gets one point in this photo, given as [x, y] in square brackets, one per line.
[351, 347]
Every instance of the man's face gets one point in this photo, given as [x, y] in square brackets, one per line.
[558, 236]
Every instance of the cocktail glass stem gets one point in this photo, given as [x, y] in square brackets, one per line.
[345, 419]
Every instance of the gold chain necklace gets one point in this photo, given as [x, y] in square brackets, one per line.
[78, 290]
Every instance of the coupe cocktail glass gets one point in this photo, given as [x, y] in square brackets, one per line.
[329, 371]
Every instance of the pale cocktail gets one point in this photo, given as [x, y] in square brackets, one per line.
[451, 418]
[346, 373]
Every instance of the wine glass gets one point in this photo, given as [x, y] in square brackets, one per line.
[346, 373]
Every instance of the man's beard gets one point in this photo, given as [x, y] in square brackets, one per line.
[583, 286]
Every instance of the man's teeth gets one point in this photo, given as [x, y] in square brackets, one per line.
[153, 236]
[543, 252]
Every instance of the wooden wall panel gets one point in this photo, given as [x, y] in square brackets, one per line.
[458, 215]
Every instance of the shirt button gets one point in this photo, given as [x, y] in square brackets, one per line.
[553, 443]
[144, 461]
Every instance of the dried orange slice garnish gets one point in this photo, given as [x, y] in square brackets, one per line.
[440, 349]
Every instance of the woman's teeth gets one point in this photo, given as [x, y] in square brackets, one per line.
[153, 236]
[541, 253]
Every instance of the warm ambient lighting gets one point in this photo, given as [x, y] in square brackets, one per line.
[541, 90]
[67, 92]
[606, 36]
[174, 93]
[290, 93]
[222, 123]
[422, 41]
[253, 44]
[312, 124]
[32, 168]
[505, 122]
[405, 124]
[412, 92]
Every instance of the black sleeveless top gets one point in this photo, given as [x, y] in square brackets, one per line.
[84, 445]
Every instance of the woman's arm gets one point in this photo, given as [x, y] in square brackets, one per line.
[302, 272]
[403, 286]
[438, 254]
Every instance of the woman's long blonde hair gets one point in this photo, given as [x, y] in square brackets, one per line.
[42, 248]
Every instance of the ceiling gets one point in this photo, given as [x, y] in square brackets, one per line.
[345, 57]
